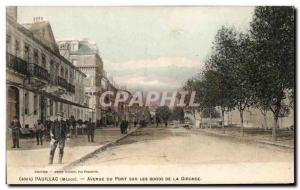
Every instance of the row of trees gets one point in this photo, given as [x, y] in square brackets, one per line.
[253, 69]
[164, 113]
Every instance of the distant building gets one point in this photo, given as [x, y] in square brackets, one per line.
[85, 56]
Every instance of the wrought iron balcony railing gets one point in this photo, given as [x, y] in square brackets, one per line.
[23, 67]
[34, 70]
[71, 88]
[64, 83]
[16, 64]
[39, 72]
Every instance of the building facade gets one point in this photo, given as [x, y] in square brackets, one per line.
[40, 81]
[85, 56]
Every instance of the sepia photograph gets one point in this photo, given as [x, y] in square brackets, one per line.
[150, 95]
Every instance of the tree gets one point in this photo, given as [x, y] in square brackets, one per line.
[194, 84]
[272, 32]
[163, 112]
[178, 114]
[231, 61]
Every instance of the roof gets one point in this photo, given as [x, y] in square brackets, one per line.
[42, 30]
[30, 34]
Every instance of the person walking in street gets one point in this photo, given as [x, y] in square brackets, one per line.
[90, 130]
[122, 126]
[39, 132]
[15, 127]
[134, 123]
[157, 121]
[126, 124]
[58, 134]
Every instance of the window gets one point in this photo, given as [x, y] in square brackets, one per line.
[71, 75]
[8, 39]
[66, 74]
[61, 107]
[8, 42]
[56, 108]
[35, 104]
[44, 61]
[62, 72]
[26, 102]
[17, 47]
[26, 52]
[51, 107]
[57, 70]
[36, 57]
[51, 66]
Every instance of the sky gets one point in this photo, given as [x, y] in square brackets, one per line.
[145, 48]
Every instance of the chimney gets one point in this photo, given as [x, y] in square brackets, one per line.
[12, 12]
[38, 19]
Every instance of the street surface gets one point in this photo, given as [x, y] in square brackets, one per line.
[175, 151]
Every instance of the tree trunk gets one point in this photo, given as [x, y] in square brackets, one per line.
[265, 124]
[274, 128]
[223, 127]
[200, 121]
[228, 117]
[209, 119]
[242, 122]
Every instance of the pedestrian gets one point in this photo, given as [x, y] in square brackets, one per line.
[126, 126]
[39, 127]
[77, 132]
[58, 134]
[122, 127]
[15, 127]
[90, 127]
[79, 127]
[134, 123]
[166, 123]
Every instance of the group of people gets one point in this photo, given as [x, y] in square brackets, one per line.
[56, 131]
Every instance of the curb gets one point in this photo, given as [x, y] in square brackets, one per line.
[100, 149]
[248, 139]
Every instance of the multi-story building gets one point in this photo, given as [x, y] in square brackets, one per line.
[85, 56]
[40, 81]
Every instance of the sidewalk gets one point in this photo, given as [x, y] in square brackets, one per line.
[31, 155]
[285, 138]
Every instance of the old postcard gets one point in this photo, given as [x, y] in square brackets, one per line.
[150, 95]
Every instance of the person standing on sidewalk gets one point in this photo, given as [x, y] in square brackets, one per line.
[134, 123]
[122, 127]
[39, 132]
[15, 127]
[90, 130]
[126, 125]
[58, 134]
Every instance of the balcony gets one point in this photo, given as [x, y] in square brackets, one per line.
[25, 68]
[63, 83]
[39, 72]
[71, 88]
[16, 64]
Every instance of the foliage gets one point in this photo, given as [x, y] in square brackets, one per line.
[272, 32]
[163, 112]
[178, 114]
[206, 113]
